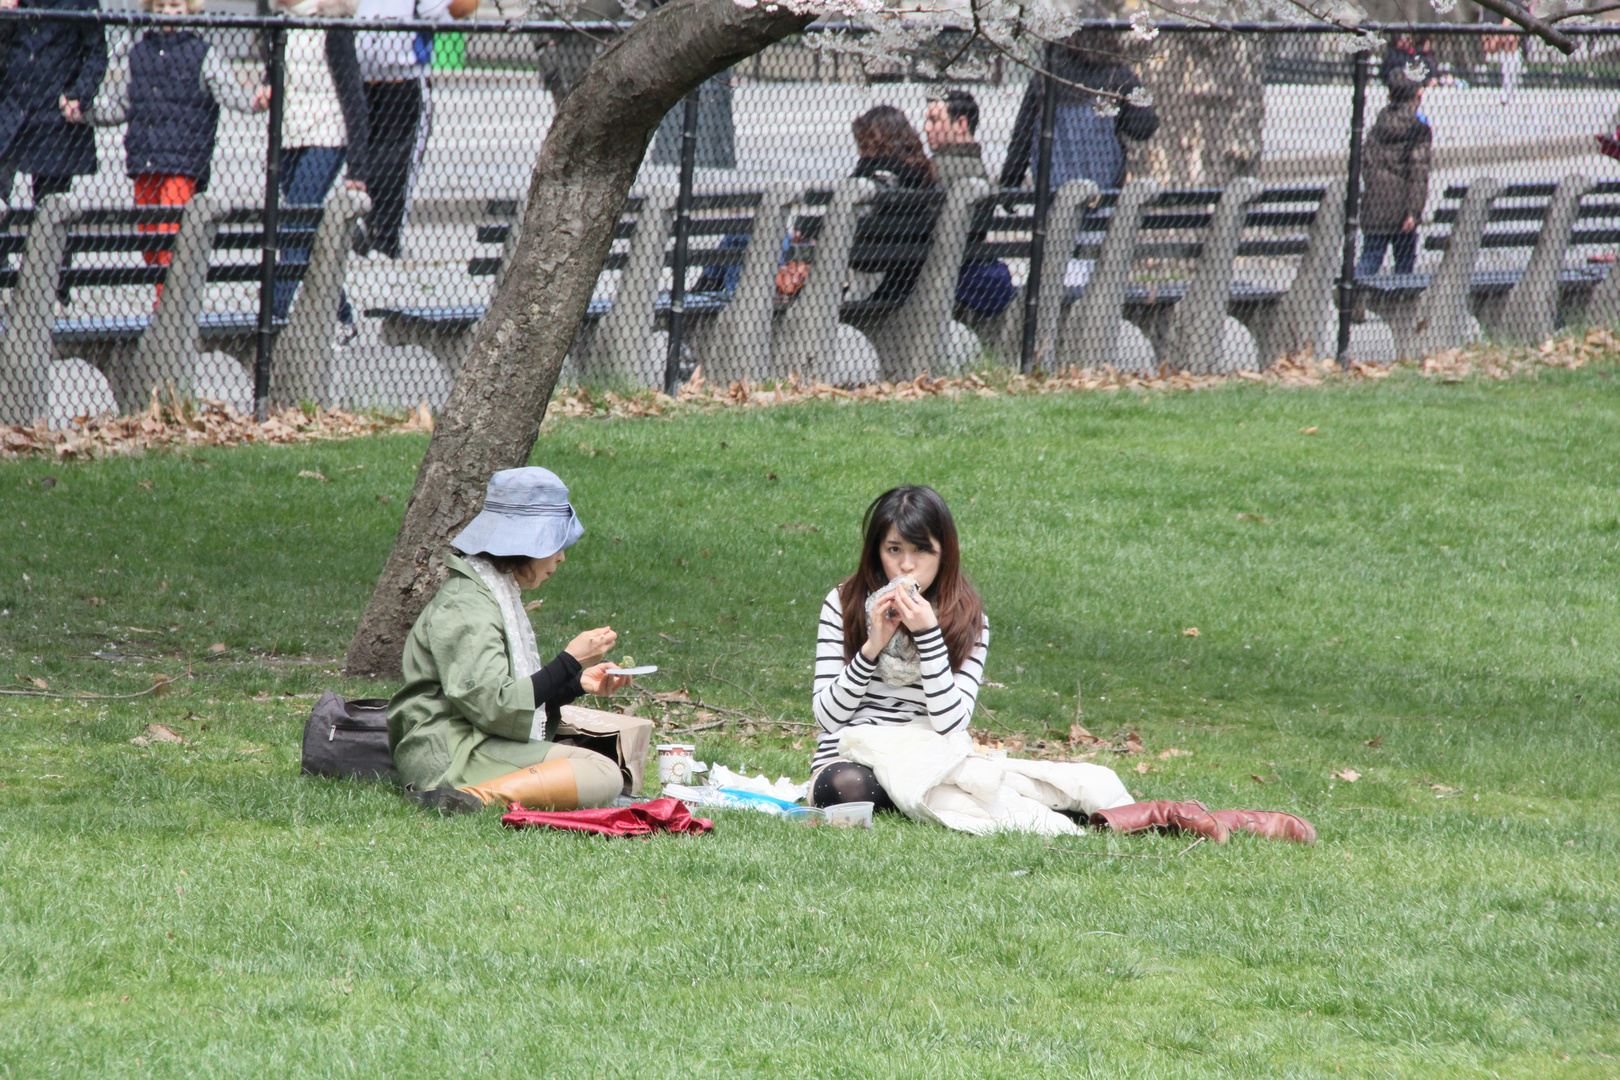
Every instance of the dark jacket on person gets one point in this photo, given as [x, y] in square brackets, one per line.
[1085, 144]
[344, 63]
[896, 218]
[172, 116]
[1395, 165]
[44, 62]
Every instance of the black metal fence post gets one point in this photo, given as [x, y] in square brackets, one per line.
[1043, 207]
[1352, 206]
[264, 342]
[683, 229]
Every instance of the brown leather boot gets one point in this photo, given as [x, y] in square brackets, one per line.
[1271, 824]
[547, 786]
[1165, 816]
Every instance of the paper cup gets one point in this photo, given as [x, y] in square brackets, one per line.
[675, 763]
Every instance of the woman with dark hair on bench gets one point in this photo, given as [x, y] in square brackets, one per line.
[475, 723]
[892, 157]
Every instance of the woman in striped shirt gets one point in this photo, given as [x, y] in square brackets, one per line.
[914, 659]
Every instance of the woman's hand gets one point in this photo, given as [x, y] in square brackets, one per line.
[261, 99]
[916, 613]
[592, 645]
[885, 621]
[1409, 224]
[596, 680]
[70, 110]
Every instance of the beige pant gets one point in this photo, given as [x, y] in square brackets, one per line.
[567, 778]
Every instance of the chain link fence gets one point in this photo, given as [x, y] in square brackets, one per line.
[1217, 207]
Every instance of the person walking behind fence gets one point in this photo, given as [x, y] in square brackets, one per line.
[325, 126]
[169, 94]
[49, 74]
[1395, 163]
[399, 107]
[1507, 50]
[1091, 125]
[951, 127]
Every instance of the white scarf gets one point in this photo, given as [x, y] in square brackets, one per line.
[520, 644]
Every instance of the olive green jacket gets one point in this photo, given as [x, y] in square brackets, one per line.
[459, 693]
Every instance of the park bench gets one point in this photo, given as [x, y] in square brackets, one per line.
[1233, 322]
[1459, 301]
[620, 338]
[138, 353]
[749, 332]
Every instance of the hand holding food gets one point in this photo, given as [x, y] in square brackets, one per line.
[589, 647]
[914, 610]
[596, 680]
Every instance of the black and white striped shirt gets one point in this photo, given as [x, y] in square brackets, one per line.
[848, 694]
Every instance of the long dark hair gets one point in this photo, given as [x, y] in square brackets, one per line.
[884, 132]
[921, 517]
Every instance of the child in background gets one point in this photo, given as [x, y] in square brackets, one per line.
[170, 96]
[1396, 166]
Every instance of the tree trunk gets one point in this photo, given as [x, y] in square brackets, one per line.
[590, 158]
[1211, 105]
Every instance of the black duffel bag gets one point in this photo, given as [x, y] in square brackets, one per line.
[348, 739]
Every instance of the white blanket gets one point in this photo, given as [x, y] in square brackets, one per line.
[938, 778]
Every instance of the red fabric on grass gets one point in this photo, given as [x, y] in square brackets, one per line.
[642, 819]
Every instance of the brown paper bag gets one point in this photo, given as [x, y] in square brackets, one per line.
[624, 739]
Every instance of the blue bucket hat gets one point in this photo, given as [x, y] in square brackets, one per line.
[526, 512]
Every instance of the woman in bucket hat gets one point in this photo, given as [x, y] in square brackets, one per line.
[475, 721]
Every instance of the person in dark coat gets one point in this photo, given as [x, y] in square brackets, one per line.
[1088, 133]
[892, 157]
[170, 95]
[1395, 165]
[48, 77]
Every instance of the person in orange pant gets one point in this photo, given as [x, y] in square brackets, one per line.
[170, 96]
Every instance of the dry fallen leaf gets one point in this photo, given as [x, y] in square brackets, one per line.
[1174, 751]
[1191, 631]
[217, 647]
[1255, 518]
[147, 484]
[1441, 787]
[1307, 431]
[313, 474]
[1349, 776]
[1257, 779]
[1133, 744]
[42, 684]
[141, 740]
[160, 733]
[1376, 741]
[94, 601]
[533, 605]
[160, 685]
[1143, 767]
[674, 695]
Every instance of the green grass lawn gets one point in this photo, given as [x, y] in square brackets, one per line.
[1423, 591]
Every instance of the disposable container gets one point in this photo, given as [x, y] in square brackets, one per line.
[851, 815]
[806, 815]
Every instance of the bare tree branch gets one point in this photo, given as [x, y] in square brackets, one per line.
[1537, 26]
